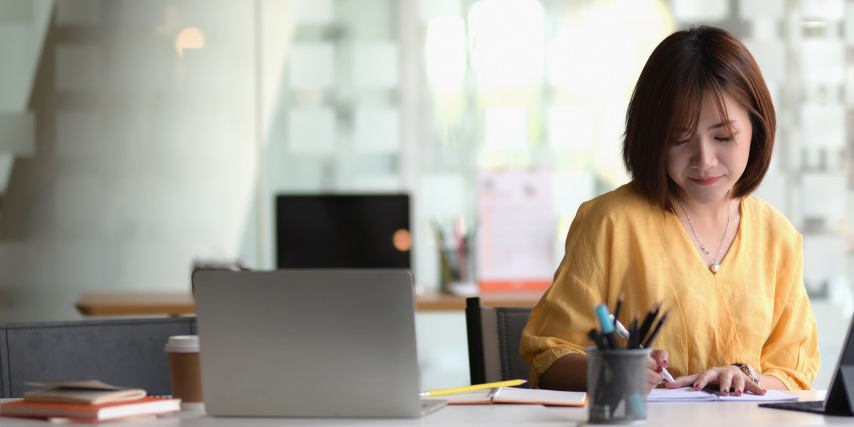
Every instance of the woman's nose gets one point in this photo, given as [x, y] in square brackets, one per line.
[704, 155]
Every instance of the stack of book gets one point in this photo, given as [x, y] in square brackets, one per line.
[87, 401]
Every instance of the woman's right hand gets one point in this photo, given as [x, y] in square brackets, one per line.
[657, 361]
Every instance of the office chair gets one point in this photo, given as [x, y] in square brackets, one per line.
[118, 351]
[493, 340]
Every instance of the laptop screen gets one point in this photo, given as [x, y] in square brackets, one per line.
[840, 396]
[308, 342]
[343, 231]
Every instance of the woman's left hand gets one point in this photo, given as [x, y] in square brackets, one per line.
[730, 379]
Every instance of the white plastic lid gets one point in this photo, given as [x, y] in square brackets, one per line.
[183, 344]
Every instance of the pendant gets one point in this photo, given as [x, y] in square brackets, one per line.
[715, 266]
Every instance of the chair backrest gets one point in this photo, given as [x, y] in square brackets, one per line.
[493, 335]
[119, 351]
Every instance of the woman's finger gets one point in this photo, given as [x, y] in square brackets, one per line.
[660, 357]
[686, 381]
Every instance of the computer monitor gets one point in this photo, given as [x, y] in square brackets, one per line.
[343, 231]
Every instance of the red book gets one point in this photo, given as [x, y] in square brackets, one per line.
[84, 412]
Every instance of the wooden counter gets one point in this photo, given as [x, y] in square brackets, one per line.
[180, 304]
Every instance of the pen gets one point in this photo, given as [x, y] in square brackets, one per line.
[619, 305]
[597, 339]
[620, 328]
[508, 383]
[656, 329]
[647, 322]
[634, 341]
[607, 325]
[625, 334]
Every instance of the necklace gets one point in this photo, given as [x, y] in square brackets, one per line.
[716, 265]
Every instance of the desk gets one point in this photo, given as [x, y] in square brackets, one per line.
[181, 303]
[660, 414]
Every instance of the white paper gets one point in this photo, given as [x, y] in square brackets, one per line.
[375, 65]
[518, 395]
[541, 396]
[686, 394]
[311, 130]
[312, 65]
[516, 226]
[377, 130]
[506, 128]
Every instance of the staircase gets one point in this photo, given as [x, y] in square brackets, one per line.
[24, 25]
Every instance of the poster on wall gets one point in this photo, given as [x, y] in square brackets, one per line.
[516, 232]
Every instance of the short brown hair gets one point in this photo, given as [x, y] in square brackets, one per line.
[668, 96]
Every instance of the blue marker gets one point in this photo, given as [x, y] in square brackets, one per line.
[635, 405]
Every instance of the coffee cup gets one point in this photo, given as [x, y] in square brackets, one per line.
[184, 370]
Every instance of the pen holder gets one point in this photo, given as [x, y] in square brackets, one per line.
[457, 269]
[616, 385]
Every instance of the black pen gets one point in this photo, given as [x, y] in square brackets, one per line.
[597, 339]
[619, 306]
[647, 322]
[633, 333]
[632, 336]
[655, 331]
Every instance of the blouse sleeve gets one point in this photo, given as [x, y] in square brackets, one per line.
[560, 321]
[791, 351]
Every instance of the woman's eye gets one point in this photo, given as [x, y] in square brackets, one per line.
[724, 139]
[678, 143]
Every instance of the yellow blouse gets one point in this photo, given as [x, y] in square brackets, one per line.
[754, 310]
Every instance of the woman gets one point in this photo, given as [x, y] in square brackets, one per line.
[686, 233]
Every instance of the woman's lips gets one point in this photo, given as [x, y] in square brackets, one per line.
[706, 181]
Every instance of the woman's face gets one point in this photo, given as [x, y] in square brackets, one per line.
[707, 162]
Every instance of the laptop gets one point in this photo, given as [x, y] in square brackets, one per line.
[308, 343]
[840, 397]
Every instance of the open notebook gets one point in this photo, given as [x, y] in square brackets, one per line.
[532, 396]
[688, 394]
